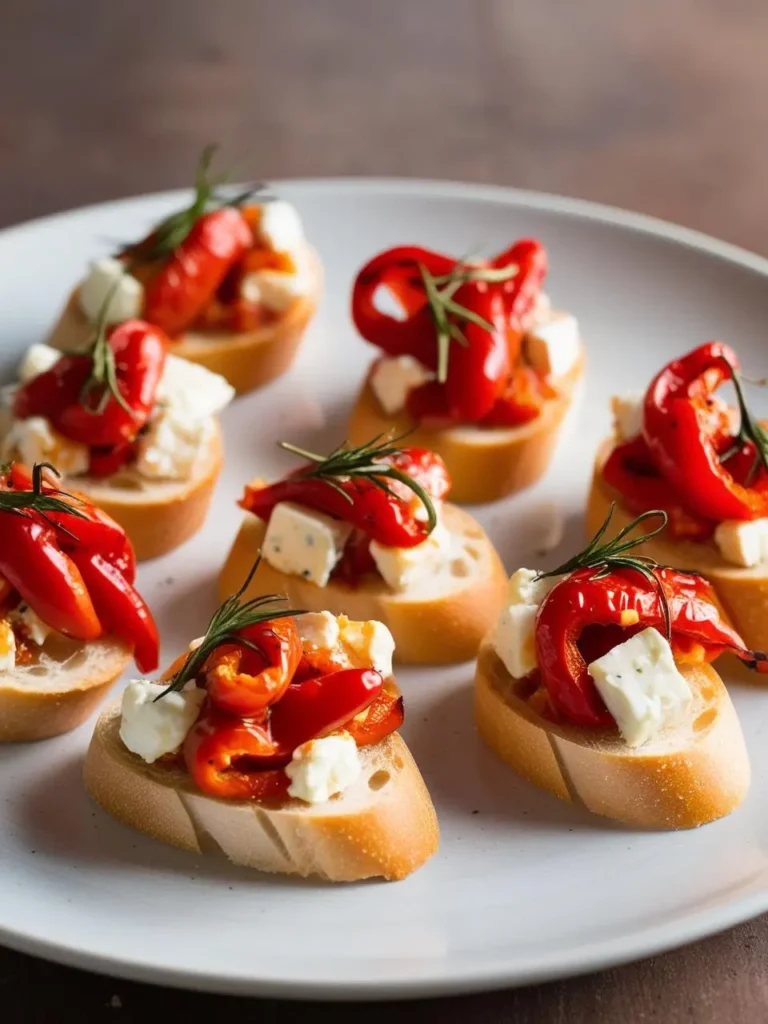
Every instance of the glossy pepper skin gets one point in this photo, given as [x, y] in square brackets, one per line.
[581, 601]
[74, 571]
[386, 518]
[685, 448]
[482, 383]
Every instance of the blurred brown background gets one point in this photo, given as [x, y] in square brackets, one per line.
[658, 105]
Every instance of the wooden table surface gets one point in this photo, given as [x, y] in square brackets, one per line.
[657, 106]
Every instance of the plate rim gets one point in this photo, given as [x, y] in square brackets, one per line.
[599, 955]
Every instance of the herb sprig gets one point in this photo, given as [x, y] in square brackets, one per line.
[440, 291]
[604, 558]
[102, 384]
[40, 501]
[230, 617]
[749, 430]
[363, 462]
[171, 232]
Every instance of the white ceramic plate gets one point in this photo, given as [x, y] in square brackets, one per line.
[523, 888]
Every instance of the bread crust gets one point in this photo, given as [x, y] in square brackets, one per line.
[247, 360]
[163, 515]
[742, 593]
[33, 712]
[438, 630]
[385, 828]
[484, 465]
[692, 777]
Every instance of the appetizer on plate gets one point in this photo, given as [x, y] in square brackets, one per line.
[478, 367]
[70, 619]
[134, 428]
[681, 448]
[274, 740]
[231, 280]
[596, 685]
[364, 532]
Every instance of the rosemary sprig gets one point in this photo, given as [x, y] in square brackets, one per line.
[102, 383]
[171, 232]
[229, 617]
[440, 291]
[749, 430]
[42, 502]
[363, 462]
[613, 554]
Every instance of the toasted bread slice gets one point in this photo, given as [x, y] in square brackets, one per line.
[485, 464]
[59, 691]
[247, 360]
[384, 825]
[158, 516]
[682, 778]
[441, 622]
[742, 593]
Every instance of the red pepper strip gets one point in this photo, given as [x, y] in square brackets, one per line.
[629, 469]
[675, 412]
[382, 718]
[245, 682]
[228, 758]
[581, 600]
[180, 291]
[104, 462]
[319, 706]
[122, 611]
[48, 580]
[522, 400]
[398, 270]
[522, 290]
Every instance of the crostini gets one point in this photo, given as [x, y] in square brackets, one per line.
[478, 368]
[681, 448]
[596, 686]
[231, 280]
[132, 426]
[274, 741]
[70, 618]
[364, 532]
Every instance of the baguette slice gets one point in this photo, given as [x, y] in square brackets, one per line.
[442, 622]
[484, 464]
[680, 779]
[159, 516]
[247, 360]
[59, 692]
[742, 593]
[382, 826]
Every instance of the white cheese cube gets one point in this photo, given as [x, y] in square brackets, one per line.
[525, 588]
[170, 448]
[368, 644]
[275, 289]
[304, 543]
[322, 768]
[193, 391]
[552, 345]
[401, 568]
[7, 647]
[642, 687]
[127, 303]
[318, 630]
[628, 414]
[280, 227]
[37, 359]
[515, 639]
[30, 624]
[34, 440]
[151, 727]
[743, 542]
[393, 379]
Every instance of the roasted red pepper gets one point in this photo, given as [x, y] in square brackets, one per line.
[383, 517]
[319, 706]
[582, 600]
[522, 290]
[688, 449]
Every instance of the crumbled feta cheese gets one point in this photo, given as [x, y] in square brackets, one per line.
[193, 391]
[278, 289]
[304, 543]
[34, 440]
[368, 643]
[170, 447]
[514, 638]
[322, 768]
[318, 630]
[127, 301]
[642, 686]
[7, 647]
[280, 227]
[151, 727]
[37, 359]
[393, 378]
[400, 568]
[628, 414]
[552, 345]
[743, 542]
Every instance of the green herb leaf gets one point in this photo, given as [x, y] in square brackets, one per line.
[363, 462]
[749, 430]
[102, 383]
[42, 502]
